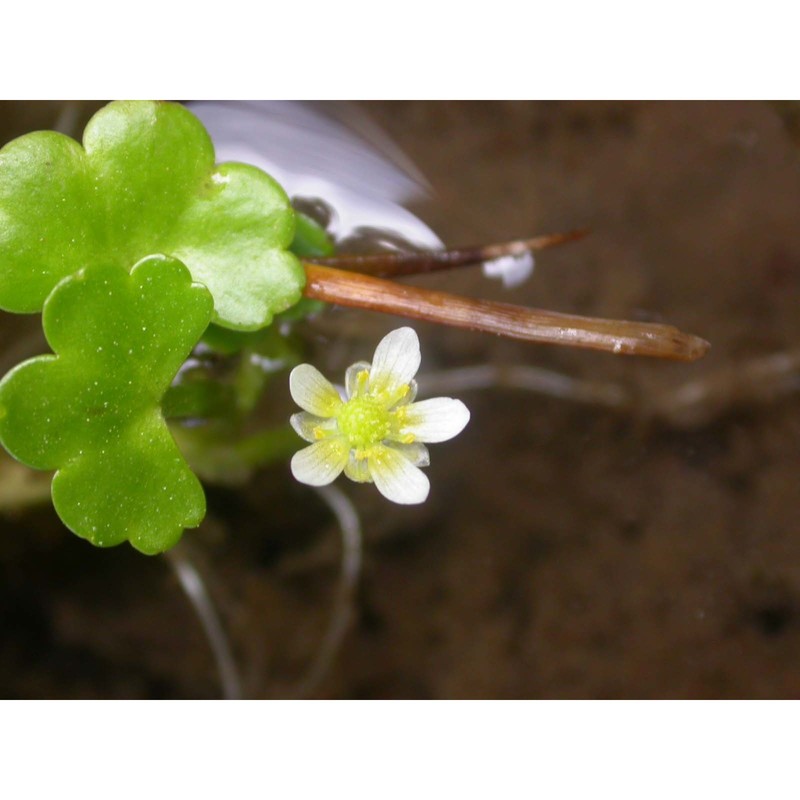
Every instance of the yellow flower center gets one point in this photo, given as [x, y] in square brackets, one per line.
[364, 421]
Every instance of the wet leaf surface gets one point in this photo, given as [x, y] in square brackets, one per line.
[92, 411]
[144, 182]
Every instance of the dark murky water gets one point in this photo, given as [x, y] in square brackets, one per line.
[569, 548]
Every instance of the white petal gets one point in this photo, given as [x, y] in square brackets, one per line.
[416, 453]
[321, 463]
[306, 425]
[396, 361]
[396, 478]
[351, 377]
[408, 397]
[357, 469]
[435, 420]
[313, 392]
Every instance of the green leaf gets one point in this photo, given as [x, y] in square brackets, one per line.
[92, 411]
[228, 458]
[310, 238]
[144, 182]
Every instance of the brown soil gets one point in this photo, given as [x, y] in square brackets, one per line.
[568, 549]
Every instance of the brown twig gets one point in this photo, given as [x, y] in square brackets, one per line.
[399, 264]
[532, 325]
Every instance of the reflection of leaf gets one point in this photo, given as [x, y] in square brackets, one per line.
[92, 411]
[145, 183]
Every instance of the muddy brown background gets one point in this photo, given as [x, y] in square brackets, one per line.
[570, 548]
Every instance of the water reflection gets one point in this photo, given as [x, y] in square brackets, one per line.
[327, 151]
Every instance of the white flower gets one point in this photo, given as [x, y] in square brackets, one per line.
[376, 433]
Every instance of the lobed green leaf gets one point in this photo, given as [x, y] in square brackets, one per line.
[144, 182]
[92, 411]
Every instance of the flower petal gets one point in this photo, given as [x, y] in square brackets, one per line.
[416, 453]
[312, 428]
[313, 392]
[396, 361]
[396, 478]
[351, 378]
[435, 420]
[357, 469]
[321, 463]
[408, 397]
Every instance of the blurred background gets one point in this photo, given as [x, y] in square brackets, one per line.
[606, 527]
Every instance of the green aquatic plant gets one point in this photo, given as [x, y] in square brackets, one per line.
[145, 257]
[136, 247]
[132, 244]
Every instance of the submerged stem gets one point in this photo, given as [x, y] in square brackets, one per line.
[398, 264]
[194, 588]
[350, 528]
[531, 379]
[527, 324]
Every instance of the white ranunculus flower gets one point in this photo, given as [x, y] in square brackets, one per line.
[378, 433]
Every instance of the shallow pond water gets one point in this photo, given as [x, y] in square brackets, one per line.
[634, 538]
